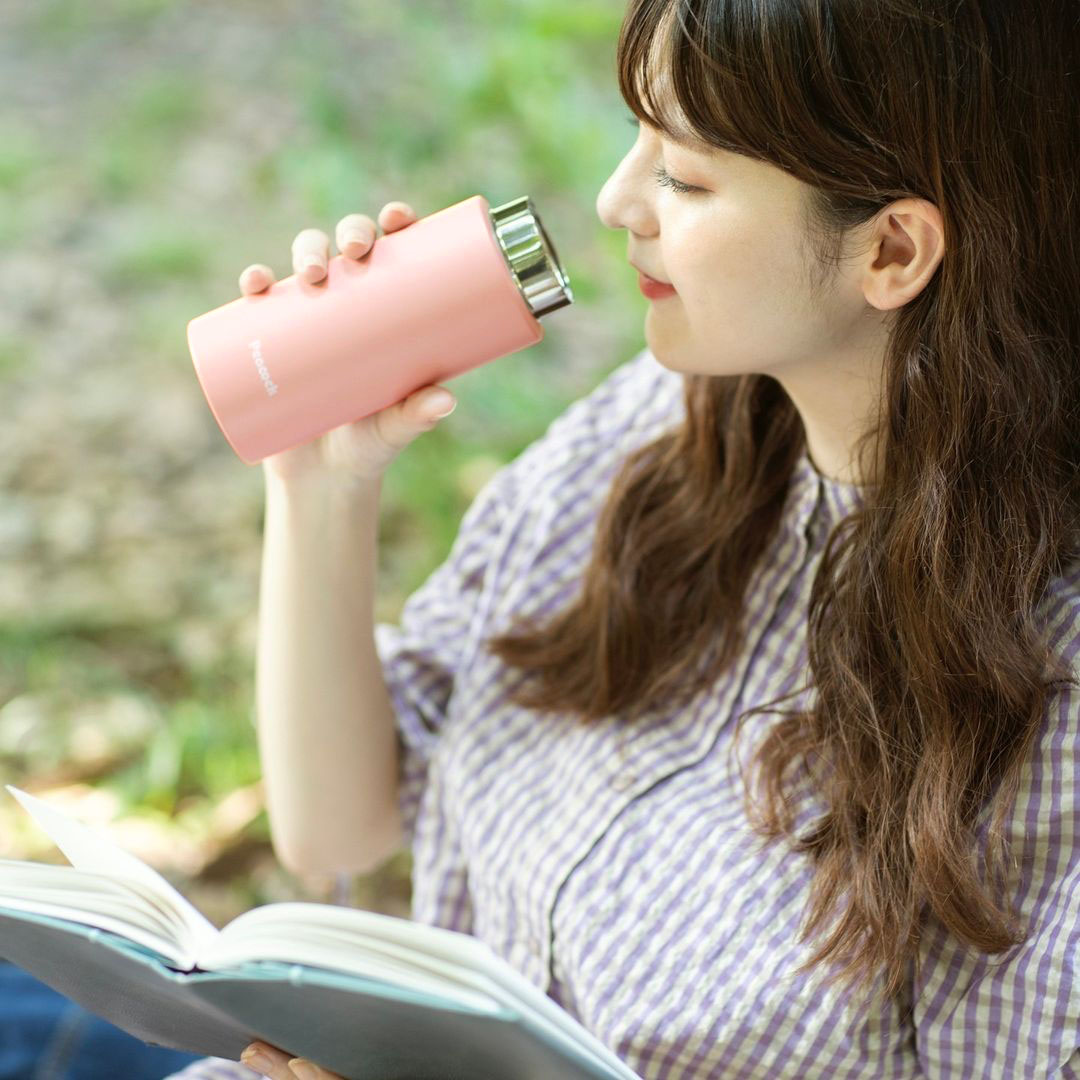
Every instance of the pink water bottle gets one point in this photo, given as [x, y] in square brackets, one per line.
[448, 293]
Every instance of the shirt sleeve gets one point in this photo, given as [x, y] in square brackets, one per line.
[1017, 1013]
[422, 653]
[441, 620]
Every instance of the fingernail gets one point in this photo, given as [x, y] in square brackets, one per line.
[259, 1062]
[355, 236]
[310, 261]
[303, 1069]
[442, 402]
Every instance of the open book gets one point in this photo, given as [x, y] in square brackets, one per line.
[369, 996]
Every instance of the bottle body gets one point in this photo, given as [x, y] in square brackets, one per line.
[433, 300]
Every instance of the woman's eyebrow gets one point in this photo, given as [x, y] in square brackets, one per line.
[680, 138]
[690, 142]
[687, 141]
[680, 135]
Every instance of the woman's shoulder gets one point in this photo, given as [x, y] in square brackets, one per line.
[1059, 615]
[1059, 620]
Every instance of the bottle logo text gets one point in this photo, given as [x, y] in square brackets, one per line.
[260, 365]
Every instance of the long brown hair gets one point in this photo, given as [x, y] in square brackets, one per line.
[931, 668]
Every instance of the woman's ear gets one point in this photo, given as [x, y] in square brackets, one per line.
[907, 244]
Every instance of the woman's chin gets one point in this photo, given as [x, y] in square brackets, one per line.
[673, 351]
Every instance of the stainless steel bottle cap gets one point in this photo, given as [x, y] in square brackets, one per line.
[531, 256]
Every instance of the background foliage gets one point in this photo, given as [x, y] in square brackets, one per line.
[149, 151]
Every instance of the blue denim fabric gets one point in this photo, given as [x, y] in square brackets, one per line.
[46, 1036]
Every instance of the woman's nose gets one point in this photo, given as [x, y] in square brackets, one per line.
[605, 204]
[620, 204]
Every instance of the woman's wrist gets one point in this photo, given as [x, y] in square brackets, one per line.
[320, 481]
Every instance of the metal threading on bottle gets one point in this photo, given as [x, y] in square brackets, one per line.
[531, 256]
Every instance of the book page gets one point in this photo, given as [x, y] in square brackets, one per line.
[122, 926]
[90, 850]
[365, 937]
[312, 948]
[84, 891]
[121, 906]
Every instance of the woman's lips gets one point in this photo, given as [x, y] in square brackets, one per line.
[654, 290]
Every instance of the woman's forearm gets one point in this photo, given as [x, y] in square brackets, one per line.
[326, 730]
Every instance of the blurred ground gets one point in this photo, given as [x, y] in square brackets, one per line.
[149, 151]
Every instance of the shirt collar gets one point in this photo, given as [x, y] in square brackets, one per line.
[817, 501]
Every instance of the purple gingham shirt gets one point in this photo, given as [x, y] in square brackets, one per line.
[613, 864]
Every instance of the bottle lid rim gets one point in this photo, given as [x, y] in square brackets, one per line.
[531, 256]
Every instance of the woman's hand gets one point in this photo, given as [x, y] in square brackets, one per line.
[363, 448]
[279, 1066]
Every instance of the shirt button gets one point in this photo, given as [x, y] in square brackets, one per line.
[622, 781]
[534, 945]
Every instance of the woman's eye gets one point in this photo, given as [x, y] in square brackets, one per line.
[670, 181]
[661, 174]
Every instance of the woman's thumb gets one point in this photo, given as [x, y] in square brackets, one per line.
[399, 424]
[431, 404]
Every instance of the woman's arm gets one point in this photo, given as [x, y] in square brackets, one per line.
[326, 726]
[326, 731]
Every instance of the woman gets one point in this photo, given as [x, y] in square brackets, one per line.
[842, 476]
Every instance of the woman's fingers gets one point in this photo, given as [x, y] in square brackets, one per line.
[355, 233]
[268, 1060]
[278, 1065]
[255, 278]
[310, 254]
[396, 215]
[308, 1070]
[354, 237]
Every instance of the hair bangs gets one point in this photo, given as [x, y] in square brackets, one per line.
[708, 75]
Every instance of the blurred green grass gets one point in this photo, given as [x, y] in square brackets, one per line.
[153, 161]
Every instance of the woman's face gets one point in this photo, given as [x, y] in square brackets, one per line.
[732, 250]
